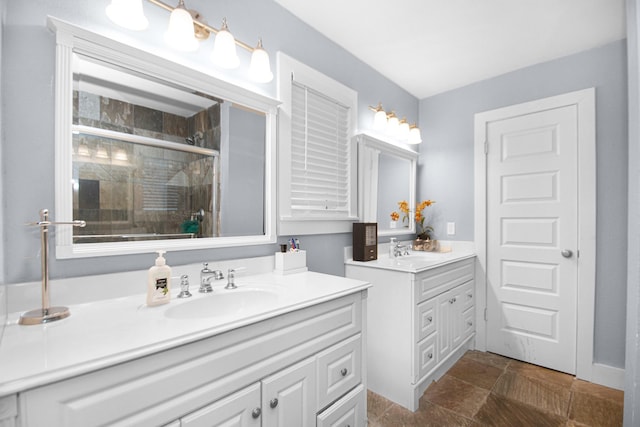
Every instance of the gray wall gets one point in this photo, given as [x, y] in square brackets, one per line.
[446, 164]
[632, 372]
[28, 107]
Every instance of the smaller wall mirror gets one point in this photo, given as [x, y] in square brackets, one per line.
[386, 176]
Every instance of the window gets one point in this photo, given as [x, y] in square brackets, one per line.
[317, 176]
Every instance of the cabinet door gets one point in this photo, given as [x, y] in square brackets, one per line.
[241, 409]
[456, 299]
[445, 304]
[349, 411]
[289, 396]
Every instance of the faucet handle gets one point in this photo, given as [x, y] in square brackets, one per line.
[184, 287]
[205, 268]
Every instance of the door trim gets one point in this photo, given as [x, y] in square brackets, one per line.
[584, 100]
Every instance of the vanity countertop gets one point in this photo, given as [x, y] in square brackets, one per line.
[103, 333]
[416, 261]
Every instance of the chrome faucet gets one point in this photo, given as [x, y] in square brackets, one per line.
[206, 275]
[400, 250]
[184, 287]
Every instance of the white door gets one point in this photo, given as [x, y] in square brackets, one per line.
[532, 237]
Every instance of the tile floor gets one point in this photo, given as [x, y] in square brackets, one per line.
[484, 389]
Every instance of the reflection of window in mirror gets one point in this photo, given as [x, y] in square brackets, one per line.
[145, 157]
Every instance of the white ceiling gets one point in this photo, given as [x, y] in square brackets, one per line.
[431, 46]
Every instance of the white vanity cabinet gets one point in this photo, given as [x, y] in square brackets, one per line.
[294, 369]
[419, 323]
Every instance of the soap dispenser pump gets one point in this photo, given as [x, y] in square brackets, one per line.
[159, 282]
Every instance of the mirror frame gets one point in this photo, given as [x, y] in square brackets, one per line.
[369, 149]
[70, 39]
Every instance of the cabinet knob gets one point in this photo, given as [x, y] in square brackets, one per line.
[469, 296]
[273, 403]
[256, 413]
[430, 319]
[452, 300]
[469, 323]
[430, 355]
[344, 372]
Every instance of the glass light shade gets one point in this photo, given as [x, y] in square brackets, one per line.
[180, 34]
[260, 68]
[403, 134]
[224, 49]
[127, 14]
[414, 136]
[83, 150]
[101, 153]
[121, 155]
[380, 120]
[393, 125]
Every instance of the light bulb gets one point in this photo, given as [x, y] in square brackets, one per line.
[260, 68]
[379, 118]
[224, 48]
[180, 34]
[393, 124]
[127, 14]
[403, 134]
[414, 135]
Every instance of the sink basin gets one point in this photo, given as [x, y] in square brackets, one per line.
[224, 303]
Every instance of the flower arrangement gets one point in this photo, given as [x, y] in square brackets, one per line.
[423, 231]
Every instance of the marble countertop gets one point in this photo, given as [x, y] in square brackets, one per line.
[103, 333]
[416, 261]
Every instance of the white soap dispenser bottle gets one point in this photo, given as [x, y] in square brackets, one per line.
[159, 282]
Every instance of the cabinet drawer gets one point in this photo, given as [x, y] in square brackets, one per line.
[468, 322]
[468, 295]
[425, 319]
[426, 357]
[346, 412]
[441, 279]
[339, 370]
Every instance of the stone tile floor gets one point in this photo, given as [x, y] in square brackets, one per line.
[485, 389]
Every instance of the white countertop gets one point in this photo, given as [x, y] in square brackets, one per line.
[102, 333]
[416, 261]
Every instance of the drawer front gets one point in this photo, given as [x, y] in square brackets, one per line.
[425, 319]
[468, 322]
[349, 411]
[235, 410]
[339, 370]
[427, 356]
[468, 295]
[441, 279]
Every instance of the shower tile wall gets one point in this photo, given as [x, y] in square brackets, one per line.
[121, 207]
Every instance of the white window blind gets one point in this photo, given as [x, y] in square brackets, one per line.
[320, 155]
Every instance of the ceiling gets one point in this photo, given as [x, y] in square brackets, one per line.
[432, 46]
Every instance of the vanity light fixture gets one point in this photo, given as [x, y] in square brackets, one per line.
[181, 35]
[185, 29]
[101, 152]
[414, 135]
[128, 14]
[83, 150]
[390, 124]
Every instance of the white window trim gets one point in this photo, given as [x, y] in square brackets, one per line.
[287, 225]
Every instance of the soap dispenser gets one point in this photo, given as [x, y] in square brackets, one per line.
[159, 282]
[392, 247]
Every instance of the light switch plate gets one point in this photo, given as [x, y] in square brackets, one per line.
[451, 228]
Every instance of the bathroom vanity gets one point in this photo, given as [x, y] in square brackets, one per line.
[420, 319]
[279, 350]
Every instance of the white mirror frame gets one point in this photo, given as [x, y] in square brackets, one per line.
[70, 39]
[369, 149]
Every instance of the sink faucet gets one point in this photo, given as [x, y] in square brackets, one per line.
[206, 275]
[231, 276]
[399, 250]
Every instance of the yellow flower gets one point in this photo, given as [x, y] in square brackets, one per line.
[404, 206]
[395, 216]
[419, 216]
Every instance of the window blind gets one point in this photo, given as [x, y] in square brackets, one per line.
[320, 155]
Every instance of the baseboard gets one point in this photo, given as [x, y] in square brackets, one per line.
[608, 376]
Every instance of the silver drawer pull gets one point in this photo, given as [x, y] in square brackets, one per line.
[344, 372]
[469, 323]
[452, 300]
[430, 355]
[256, 413]
[430, 319]
[469, 295]
[273, 403]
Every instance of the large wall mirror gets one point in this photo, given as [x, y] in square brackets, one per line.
[154, 155]
[387, 175]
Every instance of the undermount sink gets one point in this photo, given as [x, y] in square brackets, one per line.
[224, 303]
